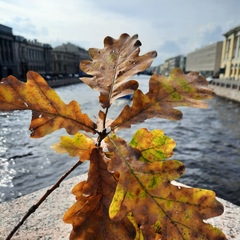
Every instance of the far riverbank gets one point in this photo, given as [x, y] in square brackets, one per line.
[63, 82]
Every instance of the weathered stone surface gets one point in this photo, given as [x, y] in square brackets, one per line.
[46, 223]
[229, 93]
[229, 221]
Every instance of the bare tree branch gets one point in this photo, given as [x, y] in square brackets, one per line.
[33, 208]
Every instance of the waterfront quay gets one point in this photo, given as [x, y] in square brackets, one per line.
[59, 82]
[226, 88]
[46, 222]
[63, 82]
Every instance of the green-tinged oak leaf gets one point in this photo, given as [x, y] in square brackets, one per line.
[80, 145]
[160, 209]
[49, 112]
[163, 96]
[112, 66]
[154, 145]
[89, 215]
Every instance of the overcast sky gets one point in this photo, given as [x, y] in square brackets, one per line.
[171, 27]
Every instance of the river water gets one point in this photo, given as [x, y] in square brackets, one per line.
[208, 143]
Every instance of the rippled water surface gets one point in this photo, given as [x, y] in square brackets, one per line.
[208, 142]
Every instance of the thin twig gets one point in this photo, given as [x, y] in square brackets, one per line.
[33, 208]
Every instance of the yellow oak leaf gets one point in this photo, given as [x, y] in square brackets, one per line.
[160, 209]
[154, 145]
[80, 145]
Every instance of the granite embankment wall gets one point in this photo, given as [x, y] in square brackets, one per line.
[63, 82]
[46, 223]
[229, 89]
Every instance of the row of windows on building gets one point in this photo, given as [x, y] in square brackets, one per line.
[231, 55]
[31, 54]
[220, 59]
[235, 53]
[6, 50]
[18, 55]
[235, 72]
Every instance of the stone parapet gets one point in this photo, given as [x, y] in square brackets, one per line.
[63, 82]
[46, 223]
[229, 89]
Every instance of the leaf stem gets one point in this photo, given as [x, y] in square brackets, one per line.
[105, 118]
[33, 208]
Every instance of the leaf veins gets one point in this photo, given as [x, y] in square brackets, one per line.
[80, 145]
[113, 65]
[163, 95]
[154, 145]
[159, 208]
[89, 215]
[49, 112]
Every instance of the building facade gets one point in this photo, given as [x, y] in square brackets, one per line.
[171, 63]
[230, 64]
[32, 55]
[19, 55]
[66, 59]
[7, 54]
[206, 60]
[158, 69]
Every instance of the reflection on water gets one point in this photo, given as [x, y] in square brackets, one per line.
[208, 142]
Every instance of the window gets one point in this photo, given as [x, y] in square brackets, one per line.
[238, 47]
[236, 68]
[227, 48]
[234, 47]
[231, 70]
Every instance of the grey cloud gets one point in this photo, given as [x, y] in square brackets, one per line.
[22, 26]
[133, 8]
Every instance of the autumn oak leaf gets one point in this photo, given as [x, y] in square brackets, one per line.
[112, 66]
[163, 96]
[89, 215]
[49, 112]
[160, 209]
[80, 145]
[154, 145]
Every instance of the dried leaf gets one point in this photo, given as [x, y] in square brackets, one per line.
[89, 215]
[165, 94]
[113, 65]
[159, 208]
[49, 112]
[80, 145]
